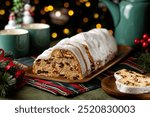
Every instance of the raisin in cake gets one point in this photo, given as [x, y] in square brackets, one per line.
[76, 57]
[132, 82]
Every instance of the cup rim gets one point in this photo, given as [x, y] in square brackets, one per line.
[36, 26]
[13, 32]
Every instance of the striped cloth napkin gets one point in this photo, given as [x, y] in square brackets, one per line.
[73, 89]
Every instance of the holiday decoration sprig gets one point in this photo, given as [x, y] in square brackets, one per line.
[11, 76]
[143, 45]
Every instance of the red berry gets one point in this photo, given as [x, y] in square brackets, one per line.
[148, 40]
[145, 36]
[141, 41]
[145, 44]
[136, 41]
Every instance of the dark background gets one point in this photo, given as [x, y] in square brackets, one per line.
[82, 19]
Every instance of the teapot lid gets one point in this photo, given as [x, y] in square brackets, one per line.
[137, 0]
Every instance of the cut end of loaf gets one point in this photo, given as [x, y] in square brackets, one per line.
[61, 64]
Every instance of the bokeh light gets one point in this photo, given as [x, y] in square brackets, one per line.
[85, 19]
[2, 12]
[54, 35]
[98, 25]
[79, 30]
[66, 4]
[8, 3]
[87, 4]
[66, 31]
[50, 8]
[36, 1]
[70, 12]
[96, 15]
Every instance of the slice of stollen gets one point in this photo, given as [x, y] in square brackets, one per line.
[132, 82]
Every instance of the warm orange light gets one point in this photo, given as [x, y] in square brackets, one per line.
[54, 35]
[79, 30]
[46, 9]
[85, 19]
[87, 4]
[96, 15]
[66, 31]
[78, 3]
[98, 25]
[8, 3]
[66, 4]
[2, 12]
[82, 1]
[70, 12]
[36, 1]
[42, 12]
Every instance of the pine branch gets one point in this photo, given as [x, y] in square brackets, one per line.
[144, 61]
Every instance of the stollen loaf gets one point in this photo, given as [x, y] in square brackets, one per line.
[76, 57]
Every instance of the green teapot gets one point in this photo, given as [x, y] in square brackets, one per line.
[131, 19]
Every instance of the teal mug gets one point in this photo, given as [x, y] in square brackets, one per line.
[39, 35]
[15, 41]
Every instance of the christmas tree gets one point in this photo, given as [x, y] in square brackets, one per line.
[18, 9]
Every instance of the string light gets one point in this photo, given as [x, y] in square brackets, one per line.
[43, 21]
[98, 25]
[66, 4]
[66, 31]
[70, 12]
[54, 35]
[85, 19]
[42, 12]
[57, 13]
[36, 1]
[78, 3]
[82, 1]
[104, 9]
[79, 30]
[7, 3]
[2, 12]
[85, 0]
[87, 4]
[46, 9]
[96, 15]
[50, 8]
